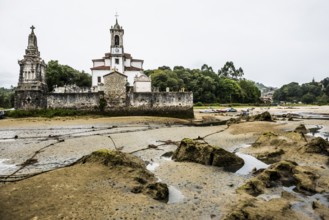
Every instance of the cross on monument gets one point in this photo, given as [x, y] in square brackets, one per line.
[116, 15]
[32, 28]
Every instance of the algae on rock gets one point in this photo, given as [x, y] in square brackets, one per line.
[199, 152]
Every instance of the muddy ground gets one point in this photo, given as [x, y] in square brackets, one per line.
[96, 192]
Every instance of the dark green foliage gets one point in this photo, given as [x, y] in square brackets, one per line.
[308, 93]
[49, 113]
[7, 98]
[60, 75]
[206, 85]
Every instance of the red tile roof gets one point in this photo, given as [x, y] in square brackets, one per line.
[132, 68]
[97, 60]
[115, 72]
[101, 68]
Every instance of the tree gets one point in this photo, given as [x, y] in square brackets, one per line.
[229, 70]
[60, 75]
[250, 92]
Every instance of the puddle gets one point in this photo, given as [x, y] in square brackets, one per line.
[304, 205]
[152, 166]
[175, 196]
[6, 168]
[250, 163]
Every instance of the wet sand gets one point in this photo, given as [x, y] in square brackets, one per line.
[206, 192]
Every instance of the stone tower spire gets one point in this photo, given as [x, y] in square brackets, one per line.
[32, 46]
[32, 89]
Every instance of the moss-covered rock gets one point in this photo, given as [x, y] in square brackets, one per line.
[270, 157]
[301, 129]
[113, 158]
[265, 116]
[131, 167]
[275, 209]
[203, 153]
[286, 173]
[317, 145]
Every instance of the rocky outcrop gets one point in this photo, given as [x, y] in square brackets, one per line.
[133, 168]
[265, 116]
[286, 173]
[301, 129]
[199, 152]
[275, 209]
[317, 145]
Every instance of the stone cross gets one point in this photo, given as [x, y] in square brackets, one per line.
[32, 28]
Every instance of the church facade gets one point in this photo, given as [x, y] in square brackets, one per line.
[118, 60]
[118, 84]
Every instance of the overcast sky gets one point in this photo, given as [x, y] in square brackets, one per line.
[274, 41]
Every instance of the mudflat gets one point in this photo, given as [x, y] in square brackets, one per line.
[92, 191]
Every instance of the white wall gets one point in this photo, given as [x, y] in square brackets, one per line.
[98, 63]
[142, 87]
[96, 74]
[131, 76]
[127, 62]
[137, 64]
[107, 62]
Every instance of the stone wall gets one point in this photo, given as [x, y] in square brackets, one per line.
[81, 101]
[161, 99]
[115, 89]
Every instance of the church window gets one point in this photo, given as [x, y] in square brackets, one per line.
[117, 61]
[116, 40]
[99, 79]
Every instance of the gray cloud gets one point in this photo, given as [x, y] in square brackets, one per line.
[275, 42]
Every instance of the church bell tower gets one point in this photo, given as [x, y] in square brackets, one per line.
[117, 50]
[31, 91]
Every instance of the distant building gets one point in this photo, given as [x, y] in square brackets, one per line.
[118, 84]
[31, 91]
[121, 62]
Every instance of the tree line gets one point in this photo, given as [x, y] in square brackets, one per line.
[7, 97]
[225, 86]
[308, 93]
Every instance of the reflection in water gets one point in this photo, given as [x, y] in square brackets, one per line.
[250, 163]
[175, 196]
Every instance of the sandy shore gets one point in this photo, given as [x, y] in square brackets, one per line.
[203, 192]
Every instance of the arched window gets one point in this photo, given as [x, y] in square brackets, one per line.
[116, 40]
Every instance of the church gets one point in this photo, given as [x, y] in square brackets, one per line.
[118, 60]
[119, 85]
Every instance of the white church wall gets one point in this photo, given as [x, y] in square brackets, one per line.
[131, 76]
[98, 63]
[137, 64]
[127, 62]
[96, 74]
[107, 62]
[142, 87]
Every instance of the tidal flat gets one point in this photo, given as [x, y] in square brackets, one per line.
[40, 182]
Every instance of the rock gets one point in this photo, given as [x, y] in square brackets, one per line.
[254, 209]
[265, 116]
[317, 145]
[158, 191]
[321, 209]
[167, 154]
[131, 167]
[113, 158]
[286, 173]
[301, 129]
[203, 153]
[270, 156]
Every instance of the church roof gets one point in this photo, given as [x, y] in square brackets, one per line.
[101, 68]
[137, 60]
[97, 60]
[113, 73]
[132, 68]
